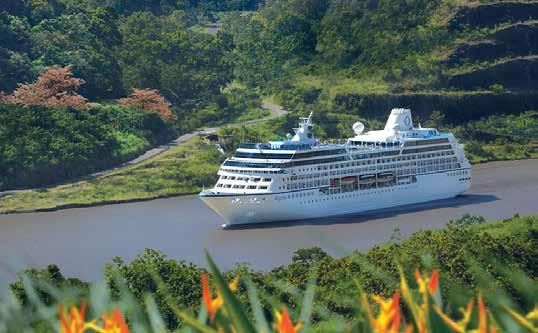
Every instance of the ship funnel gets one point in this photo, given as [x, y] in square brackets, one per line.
[399, 120]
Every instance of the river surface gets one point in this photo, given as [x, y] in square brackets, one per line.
[82, 240]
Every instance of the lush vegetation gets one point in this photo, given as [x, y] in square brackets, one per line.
[42, 145]
[505, 137]
[348, 60]
[110, 50]
[494, 260]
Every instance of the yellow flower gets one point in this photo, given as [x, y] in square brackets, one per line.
[461, 326]
[211, 304]
[427, 284]
[284, 323]
[388, 318]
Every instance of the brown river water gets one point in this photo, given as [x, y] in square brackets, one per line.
[82, 240]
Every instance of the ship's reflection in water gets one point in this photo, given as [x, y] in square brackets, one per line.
[82, 240]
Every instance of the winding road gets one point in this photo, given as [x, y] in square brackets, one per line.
[276, 111]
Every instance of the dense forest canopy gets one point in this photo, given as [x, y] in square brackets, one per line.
[115, 46]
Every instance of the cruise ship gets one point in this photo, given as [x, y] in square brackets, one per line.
[304, 178]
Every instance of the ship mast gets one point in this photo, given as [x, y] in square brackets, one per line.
[302, 132]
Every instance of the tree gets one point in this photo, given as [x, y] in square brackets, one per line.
[15, 64]
[188, 68]
[88, 40]
[55, 87]
[150, 100]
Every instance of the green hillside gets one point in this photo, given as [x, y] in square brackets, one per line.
[453, 62]
[465, 59]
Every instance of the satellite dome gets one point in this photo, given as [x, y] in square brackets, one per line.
[358, 128]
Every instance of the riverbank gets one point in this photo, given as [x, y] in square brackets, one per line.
[179, 170]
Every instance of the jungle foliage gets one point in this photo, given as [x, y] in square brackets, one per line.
[42, 145]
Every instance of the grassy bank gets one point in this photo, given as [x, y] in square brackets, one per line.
[470, 257]
[179, 170]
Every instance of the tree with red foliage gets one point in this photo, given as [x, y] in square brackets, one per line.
[55, 87]
[150, 100]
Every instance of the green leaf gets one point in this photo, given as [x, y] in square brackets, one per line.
[194, 323]
[308, 301]
[255, 303]
[232, 305]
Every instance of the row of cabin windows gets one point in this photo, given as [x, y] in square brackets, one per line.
[438, 167]
[246, 179]
[302, 155]
[375, 144]
[426, 142]
[273, 172]
[459, 173]
[280, 156]
[352, 187]
[248, 187]
[310, 194]
[382, 167]
[350, 195]
[438, 161]
[422, 150]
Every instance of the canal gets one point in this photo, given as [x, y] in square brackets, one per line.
[82, 240]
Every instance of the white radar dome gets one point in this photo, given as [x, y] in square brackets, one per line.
[358, 128]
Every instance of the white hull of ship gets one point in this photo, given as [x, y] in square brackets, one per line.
[271, 207]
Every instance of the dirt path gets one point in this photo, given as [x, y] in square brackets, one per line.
[276, 111]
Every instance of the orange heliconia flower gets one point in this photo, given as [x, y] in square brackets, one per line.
[461, 326]
[114, 323]
[429, 284]
[284, 324]
[388, 318]
[213, 304]
[74, 321]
